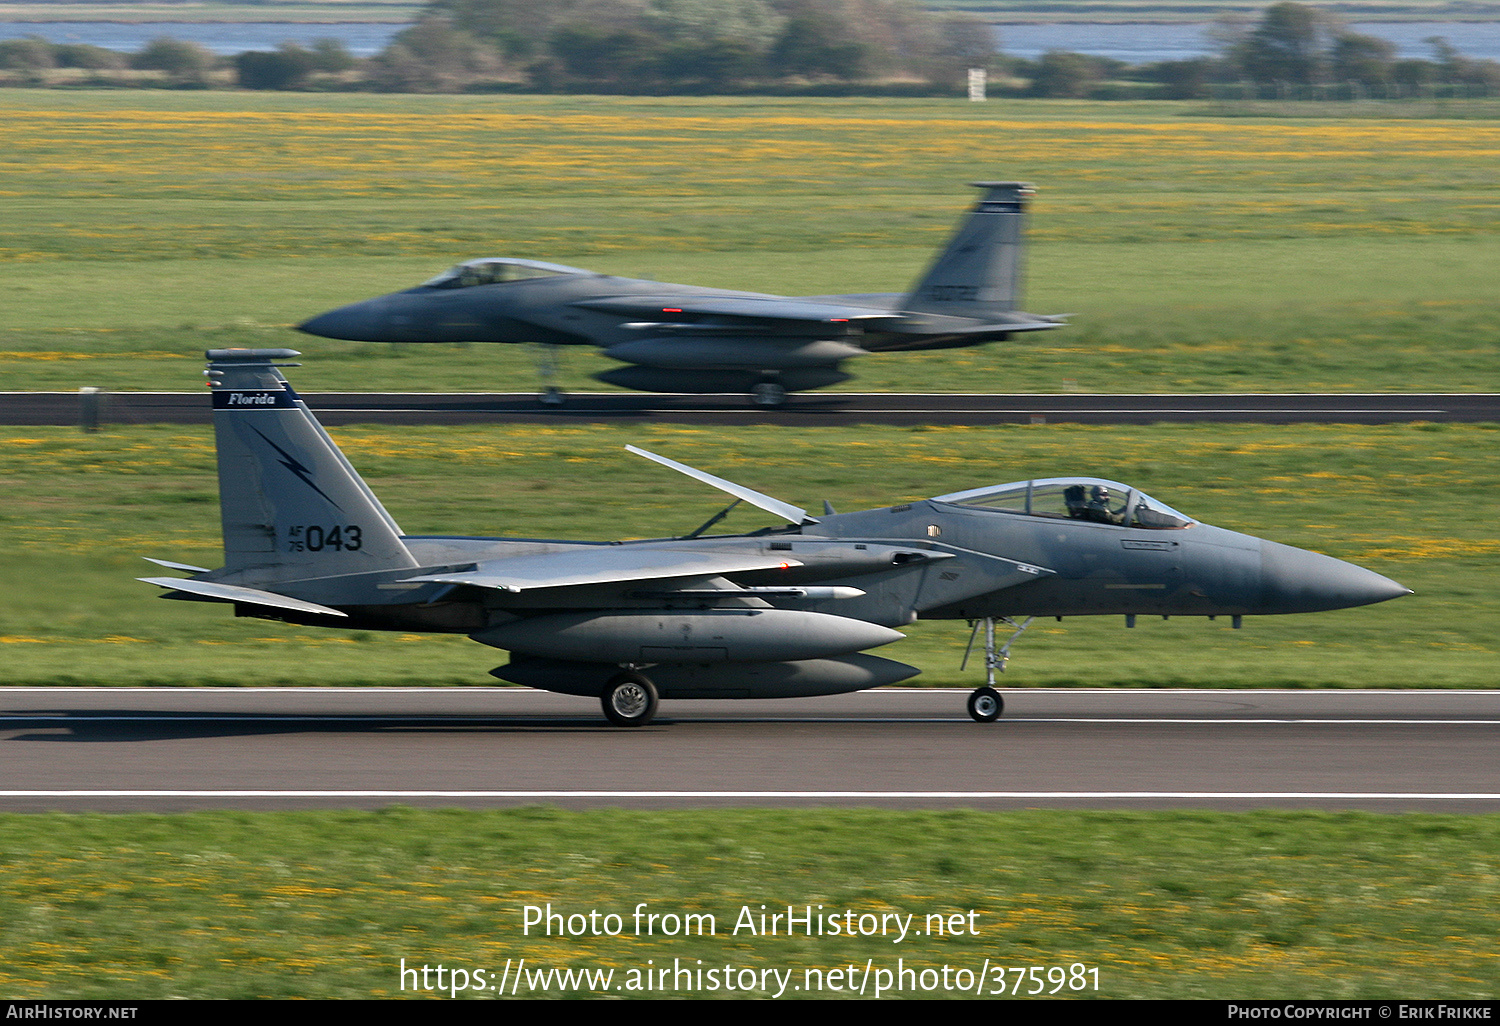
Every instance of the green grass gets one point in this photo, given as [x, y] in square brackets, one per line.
[82, 509]
[1168, 905]
[1315, 315]
[1200, 252]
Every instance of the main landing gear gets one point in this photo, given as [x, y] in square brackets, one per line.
[768, 393]
[629, 699]
[986, 704]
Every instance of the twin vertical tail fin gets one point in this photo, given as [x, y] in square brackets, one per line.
[979, 274]
[293, 508]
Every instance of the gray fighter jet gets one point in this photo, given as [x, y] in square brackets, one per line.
[681, 338]
[782, 612]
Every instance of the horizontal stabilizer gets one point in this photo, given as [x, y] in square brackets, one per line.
[605, 564]
[245, 596]
[997, 326]
[186, 567]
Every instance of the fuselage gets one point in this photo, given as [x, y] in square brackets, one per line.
[558, 310]
[931, 559]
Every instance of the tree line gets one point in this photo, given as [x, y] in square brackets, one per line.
[1293, 51]
[757, 46]
[633, 46]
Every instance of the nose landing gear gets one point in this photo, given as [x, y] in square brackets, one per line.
[986, 704]
[546, 367]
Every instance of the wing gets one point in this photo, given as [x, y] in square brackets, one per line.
[605, 564]
[736, 312]
[816, 317]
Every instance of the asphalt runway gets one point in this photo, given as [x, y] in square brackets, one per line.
[803, 410]
[170, 749]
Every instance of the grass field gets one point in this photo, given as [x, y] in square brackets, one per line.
[1189, 905]
[1198, 252]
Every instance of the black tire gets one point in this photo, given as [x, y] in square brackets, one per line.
[629, 700]
[986, 705]
[768, 393]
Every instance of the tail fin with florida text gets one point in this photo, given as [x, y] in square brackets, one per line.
[292, 506]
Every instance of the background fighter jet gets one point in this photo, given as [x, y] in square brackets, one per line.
[681, 338]
[784, 612]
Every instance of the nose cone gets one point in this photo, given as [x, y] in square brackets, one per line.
[357, 322]
[1298, 581]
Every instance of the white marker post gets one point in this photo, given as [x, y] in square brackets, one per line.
[977, 79]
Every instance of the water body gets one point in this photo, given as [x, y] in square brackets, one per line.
[360, 38]
[1134, 44]
[1147, 44]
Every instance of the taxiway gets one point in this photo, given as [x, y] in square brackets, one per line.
[165, 749]
[803, 410]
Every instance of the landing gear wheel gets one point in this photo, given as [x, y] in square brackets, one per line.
[768, 393]
[986, 705]
[629, 700]
[552, 396]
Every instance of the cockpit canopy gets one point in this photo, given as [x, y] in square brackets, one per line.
[1090, 499]
[496, 270]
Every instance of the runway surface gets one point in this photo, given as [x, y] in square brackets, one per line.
[805, 409]
[166, 749]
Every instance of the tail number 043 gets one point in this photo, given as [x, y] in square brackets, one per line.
[316, 538]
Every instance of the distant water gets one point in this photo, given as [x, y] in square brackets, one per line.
[360, 38]
[1134, 44]
[1147, 44]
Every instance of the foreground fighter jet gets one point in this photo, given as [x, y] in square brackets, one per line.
[680, 338]
[786, 611]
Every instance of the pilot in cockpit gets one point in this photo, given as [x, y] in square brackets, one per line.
[1098, 509]
[1094, 508]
